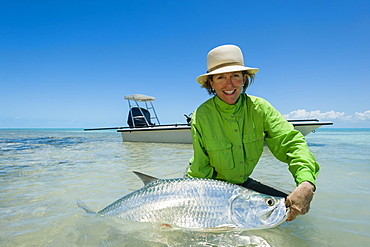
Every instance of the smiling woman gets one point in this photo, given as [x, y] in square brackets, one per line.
[217, 74]
[228, 86]
[230, 129]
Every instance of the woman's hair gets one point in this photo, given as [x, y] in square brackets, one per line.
[250, 79]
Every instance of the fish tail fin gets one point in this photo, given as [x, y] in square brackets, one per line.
[82, 205]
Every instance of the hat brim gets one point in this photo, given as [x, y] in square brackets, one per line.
[234, 68]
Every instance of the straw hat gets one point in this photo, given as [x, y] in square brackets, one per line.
[224, 59]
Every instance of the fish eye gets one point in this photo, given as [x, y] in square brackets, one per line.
[269, 201]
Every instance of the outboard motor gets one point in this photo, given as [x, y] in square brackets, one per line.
[140, 116]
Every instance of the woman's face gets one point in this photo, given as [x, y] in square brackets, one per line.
[228, 86]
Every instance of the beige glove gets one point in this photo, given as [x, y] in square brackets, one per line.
[299, 200]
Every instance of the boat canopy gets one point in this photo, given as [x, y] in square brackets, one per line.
[139, 97]
[140, 116]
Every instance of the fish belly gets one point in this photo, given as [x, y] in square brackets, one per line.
[188, 203]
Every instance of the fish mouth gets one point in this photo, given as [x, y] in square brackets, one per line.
[267, 215]
[287, 211]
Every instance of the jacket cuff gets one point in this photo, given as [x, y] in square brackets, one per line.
[306, 176]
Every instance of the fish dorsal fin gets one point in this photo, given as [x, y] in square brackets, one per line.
[145, 178]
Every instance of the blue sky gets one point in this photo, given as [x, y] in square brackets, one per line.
[70, 63]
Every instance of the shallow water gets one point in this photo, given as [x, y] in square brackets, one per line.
[44, 171]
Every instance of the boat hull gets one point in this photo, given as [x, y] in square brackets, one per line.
[175, 134]
[182, 133]
[306, 129]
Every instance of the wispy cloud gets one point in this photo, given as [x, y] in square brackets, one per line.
[363, 115]
[330, 115]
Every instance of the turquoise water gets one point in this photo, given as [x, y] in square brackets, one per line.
[44, 171]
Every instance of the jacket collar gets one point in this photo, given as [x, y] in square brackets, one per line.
[231, 109]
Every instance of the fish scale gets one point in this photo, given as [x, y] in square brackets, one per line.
[197, 203]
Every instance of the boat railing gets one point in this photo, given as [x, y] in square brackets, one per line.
[303, 120]
[156, 126]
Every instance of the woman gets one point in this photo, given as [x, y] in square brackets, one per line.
[230, 129]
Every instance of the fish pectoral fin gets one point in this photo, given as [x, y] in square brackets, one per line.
[82, 205]
[221, 228]
[145, 178]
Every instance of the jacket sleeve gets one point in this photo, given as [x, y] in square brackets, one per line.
[199, 164]
[289, 146]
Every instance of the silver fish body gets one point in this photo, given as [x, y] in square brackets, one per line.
[199, 204]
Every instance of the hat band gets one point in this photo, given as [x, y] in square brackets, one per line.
[224, 65]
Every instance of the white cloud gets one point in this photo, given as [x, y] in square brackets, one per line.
[363, 116]
[330, 115]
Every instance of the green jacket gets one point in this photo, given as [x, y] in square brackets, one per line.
[228, 141]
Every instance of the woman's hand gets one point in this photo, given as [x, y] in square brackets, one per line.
[299, 200]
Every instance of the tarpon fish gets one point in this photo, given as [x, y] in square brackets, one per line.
[197, 203]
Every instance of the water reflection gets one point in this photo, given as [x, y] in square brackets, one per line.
[124, 233]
